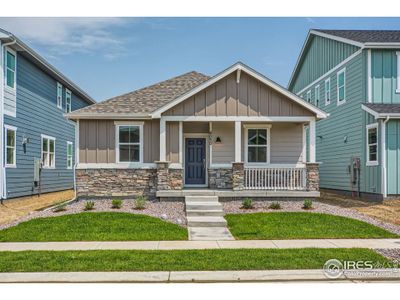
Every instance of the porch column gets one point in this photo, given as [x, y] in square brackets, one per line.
[163, 140]
[180, 143]
[238, 140]
[312, 141]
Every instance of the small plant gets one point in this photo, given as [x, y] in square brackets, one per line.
[89, 205]
[60, 208]
[140, 202]
[307, 204]
[116, 203]
[274, 205]
[247, 203]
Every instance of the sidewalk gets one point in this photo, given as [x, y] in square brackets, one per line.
[180, 245]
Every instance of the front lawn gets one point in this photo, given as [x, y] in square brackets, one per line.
[180, 260]
[300, 225]
[93, 226]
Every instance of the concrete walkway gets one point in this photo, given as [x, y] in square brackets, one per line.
[179, 245]
[201, 276]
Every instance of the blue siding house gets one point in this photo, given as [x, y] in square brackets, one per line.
[37, 141]
[354, 75]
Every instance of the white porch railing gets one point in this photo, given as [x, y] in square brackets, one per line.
[282, 178]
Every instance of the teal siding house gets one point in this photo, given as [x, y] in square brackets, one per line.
[37, 141]
[354, 75]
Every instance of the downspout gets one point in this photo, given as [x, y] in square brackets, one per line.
[3, 170]
[383, 151]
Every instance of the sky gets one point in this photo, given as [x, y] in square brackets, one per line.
[107, 57]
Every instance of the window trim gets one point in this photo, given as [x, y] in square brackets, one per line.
[11, 128]
[317, 95]
[44, 136]
[373, 162]
[340, 102]
[72, 154]
[68, 93]
[308, 99]
[117, 126]
[59, 96]
[246, 149]
[7, 49]
[398, 72]
[328, 100]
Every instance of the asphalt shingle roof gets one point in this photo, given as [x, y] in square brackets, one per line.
[148, 99]
[384, 108]
[366, 36]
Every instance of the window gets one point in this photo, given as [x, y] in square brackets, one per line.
[398, 72]
[372, 144]
[317, 95]
[327, 91]
[129, 141]
[68, 100]
[257, 144]
[309, 96]
[59, 95]
[69, 155]
[341, 86]
[48, 151]
[11, 137]
[10, 68]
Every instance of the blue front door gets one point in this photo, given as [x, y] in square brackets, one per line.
[195, 161]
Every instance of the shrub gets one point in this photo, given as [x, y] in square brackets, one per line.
[89, 205]
[140, 202]
[60, 208]
[274, 205]
[247, 203]
[116, 203]
[307, 204]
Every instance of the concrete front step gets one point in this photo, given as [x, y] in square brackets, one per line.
[205, 212]
[210, 234]
[203, 206]
[206, 221]
[212, 199]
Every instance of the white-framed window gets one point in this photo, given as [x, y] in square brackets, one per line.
[10, 68]
[48, 151]
[372, 144]
[10, 145]
[341, 86]
[69, 155]
[398, 72]
[129, 143]
[59, 95]
[317, 95]
[68, 100]
[257, 144]
[327, 91]
[308, 96]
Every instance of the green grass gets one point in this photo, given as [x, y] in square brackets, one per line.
[93, 226]
[300, 225]
[180, 260]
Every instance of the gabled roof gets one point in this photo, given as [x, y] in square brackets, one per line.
[380, 111]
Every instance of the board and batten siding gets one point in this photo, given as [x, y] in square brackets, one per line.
[228, 98]
[393, 157]
[36, 114]
[320, 56]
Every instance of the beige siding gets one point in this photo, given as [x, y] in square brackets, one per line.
[195, 127]
[172, 141]
[225, 151]
[248, 98]
[286, 143]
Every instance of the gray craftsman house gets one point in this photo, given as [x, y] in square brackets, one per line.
[234, 134]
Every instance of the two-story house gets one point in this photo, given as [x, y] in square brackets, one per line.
[354, 75]
[37, 141]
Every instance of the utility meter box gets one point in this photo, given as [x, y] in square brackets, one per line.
[37, 165]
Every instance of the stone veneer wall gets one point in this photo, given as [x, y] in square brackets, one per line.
[312, 176]
[238, 176]
[175, 179]
[220, 178]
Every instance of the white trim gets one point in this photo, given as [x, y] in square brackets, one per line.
[369, 75]
[196, 135]
[398, 72]
[81, 166]
[76, 115]
[268, 146]
[342, 71]
[304, 149]
[337, 38]
[59, 96]
[380, 115]
[238, 141]
[128, 123]
[317, 96]
[235, 118]
[77, 142]
[327, 99]
[258, 76]
[14, 129]
[163, 140]
[48, 137]
[335, 68]
[221, 166]
[308, 96]
[261, 166]
[180, 136]
[72, 154]
[141, 142]
[68, 94]
[368, 162]
[312, 141]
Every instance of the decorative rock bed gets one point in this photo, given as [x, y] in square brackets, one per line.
[169, 211]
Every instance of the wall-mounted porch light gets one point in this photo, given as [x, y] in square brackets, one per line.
[218, 140]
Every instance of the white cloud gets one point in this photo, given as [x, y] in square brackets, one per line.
[63, 36]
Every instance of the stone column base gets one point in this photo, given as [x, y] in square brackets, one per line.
[167, 178]
[238, 176]
[312, 176]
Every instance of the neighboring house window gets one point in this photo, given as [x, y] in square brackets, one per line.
[129, 143]
[48, 151]
[398, 72]
[10, 68]
[11, 138]
[309, 96]
[372, 144]
[68, 100]
[327, 91]
[257, 144]
[341, 86]
[59, 95]
[69, 155]
[317, 95]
